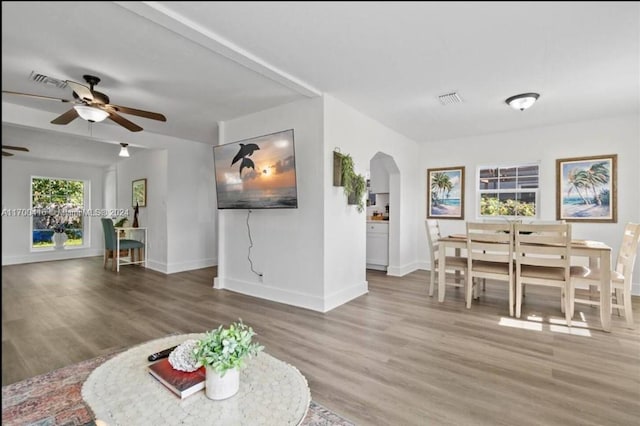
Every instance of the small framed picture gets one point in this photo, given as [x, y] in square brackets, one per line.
[445, 193]
[139, 193]
[586, 189]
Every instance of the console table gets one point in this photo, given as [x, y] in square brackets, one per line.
[138, 234]
[122, 392]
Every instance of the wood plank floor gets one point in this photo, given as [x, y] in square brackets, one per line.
[392, 357]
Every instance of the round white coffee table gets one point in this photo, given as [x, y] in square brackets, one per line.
[122, 392]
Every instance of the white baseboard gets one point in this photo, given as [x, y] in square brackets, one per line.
[424, 266]
[377, 267]
[269, 292]
[345, 295]
[400, 271]
[172, 268]
[47, 255]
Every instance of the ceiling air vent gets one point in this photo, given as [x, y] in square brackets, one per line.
[48, 81]
[450, 98]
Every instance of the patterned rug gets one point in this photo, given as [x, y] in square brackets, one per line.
[55, 399]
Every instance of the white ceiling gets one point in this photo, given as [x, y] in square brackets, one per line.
[203, 62]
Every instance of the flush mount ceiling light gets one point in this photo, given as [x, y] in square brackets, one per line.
[124, 152]
[522, 101]
[91, 114]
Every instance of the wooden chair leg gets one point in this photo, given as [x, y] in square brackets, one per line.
[469, 289]
[115, 259]
[628, 313]
[518, 299]
[432, 279]
[106, 258]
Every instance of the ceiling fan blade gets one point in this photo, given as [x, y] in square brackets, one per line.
[35, 96]
[66, 118]
[6, 154]
[124, 122]
[17, 148]
[138, 112]
[81, 90]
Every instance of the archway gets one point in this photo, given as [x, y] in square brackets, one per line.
[385, 183]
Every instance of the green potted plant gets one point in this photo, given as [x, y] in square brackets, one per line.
[223, 352]
[121, 223]
[359, 186]
[354, 184]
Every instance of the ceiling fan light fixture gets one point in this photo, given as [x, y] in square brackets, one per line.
[124, 152]
[91, 114]
[522, 101]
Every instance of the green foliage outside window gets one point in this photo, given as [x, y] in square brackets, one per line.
[490, 206]
[57, 203]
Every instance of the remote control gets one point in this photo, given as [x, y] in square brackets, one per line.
[162, 354]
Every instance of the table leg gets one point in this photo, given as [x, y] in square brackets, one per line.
[442, 267]
[605, 289]
[457, 272]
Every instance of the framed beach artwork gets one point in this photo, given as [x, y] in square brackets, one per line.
[586, 189]
[445, 193]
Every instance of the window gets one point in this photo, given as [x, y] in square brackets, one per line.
[57, 204]
[508, 190]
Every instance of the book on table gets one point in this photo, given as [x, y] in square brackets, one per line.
[182, 383]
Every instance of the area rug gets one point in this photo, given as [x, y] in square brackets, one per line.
[55, 399]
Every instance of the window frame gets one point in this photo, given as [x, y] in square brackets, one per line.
[86, 197]
[515, 165]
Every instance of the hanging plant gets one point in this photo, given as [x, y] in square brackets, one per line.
[354, 184]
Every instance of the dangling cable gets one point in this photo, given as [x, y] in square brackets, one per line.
[250, 246]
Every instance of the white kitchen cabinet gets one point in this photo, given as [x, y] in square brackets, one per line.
[377, 245]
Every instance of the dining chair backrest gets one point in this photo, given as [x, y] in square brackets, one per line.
[490, 255]
[109, 233]
[543, 257]
[433, 235]
[628, 249]
[452, 263]
[490, 242]
[546, 245]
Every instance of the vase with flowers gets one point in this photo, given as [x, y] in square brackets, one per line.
[223, 352]
[59, 236]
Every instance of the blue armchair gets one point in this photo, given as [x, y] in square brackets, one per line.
[111, 243]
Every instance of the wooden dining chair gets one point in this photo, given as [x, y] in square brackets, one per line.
[453, 263]
[543, 257]
[621, 276]
[490, 255]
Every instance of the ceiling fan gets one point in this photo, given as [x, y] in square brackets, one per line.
[94, 106]
[16, 148]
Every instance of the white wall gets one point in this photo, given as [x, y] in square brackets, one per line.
[191, 213]
[16, 190]
[345, 249]
[180, 215]
[315, 256]
[619, 135]
[287, 243]
[150, 165]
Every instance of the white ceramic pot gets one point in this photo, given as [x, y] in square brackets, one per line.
[58, 239]
[221, 387]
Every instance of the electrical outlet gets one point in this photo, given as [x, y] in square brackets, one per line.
[261, 278]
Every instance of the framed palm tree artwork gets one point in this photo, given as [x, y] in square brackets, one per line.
[586, 189]
[445, 193]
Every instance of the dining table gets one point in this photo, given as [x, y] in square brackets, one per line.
[598, 253]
